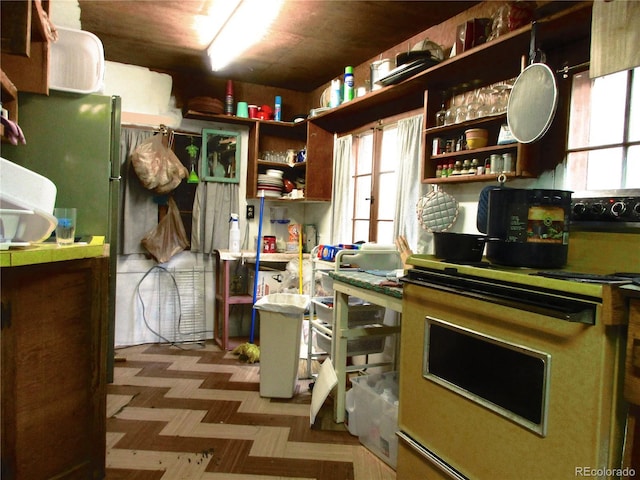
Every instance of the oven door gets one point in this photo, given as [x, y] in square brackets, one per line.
[489, 390]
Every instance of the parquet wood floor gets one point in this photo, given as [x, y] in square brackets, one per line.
[195, 413]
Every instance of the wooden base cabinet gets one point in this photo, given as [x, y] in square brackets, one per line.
[54, 370]
[632, 385]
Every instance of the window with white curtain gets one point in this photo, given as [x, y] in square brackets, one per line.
[604, 136]
[373, 185]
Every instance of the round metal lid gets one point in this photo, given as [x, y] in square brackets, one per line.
[532, 103]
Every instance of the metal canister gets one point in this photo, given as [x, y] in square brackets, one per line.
[496, 163]
[379, 69]
[507, 160]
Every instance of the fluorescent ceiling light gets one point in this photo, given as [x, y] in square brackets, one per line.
[215, 15]
[246, 26]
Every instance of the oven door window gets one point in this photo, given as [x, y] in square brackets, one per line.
[509, 379]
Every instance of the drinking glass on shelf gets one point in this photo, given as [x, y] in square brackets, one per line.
[494, 94]
[472, 111]
[484, 108]
[450, 115]
[501, 97]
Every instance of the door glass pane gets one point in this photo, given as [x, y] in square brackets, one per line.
[387, 197]
[633, 167]
[389, 154]
[634, 116]
[365, 154]
[361, 231]
[605, 169]
[385, 233]
[363, 194]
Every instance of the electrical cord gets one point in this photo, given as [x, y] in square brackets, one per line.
[144, 316]
[245, 240]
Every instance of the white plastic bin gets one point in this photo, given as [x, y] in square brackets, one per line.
[281, 316]
[77, 62]
[375, 405]
[361, 314]
[350, 418]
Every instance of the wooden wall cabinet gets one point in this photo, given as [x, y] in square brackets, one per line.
[9, 95]
[25, 53]
[25, 44]
[565, 33]
[266, 135]
[54, 343]
[524, 166]
[316, 170]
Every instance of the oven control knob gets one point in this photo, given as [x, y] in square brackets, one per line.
[579, 209]
[618, 209]
[636, 209]
[597, 209]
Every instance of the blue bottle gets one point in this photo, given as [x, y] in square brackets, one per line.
[277, 111]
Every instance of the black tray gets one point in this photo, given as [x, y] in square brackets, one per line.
[406, 70]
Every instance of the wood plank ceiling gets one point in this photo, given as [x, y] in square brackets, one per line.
[307, 46]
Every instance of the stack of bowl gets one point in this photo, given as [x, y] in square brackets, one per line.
[271, 183]
[476, 138]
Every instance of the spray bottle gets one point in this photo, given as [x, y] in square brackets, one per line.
[349, 92]
[277, 111]
[234, 234]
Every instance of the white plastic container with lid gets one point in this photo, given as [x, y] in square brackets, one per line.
[336, 93]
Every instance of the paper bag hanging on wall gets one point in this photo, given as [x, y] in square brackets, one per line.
[168, 237]
[157, 167]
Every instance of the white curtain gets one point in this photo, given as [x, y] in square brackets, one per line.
[342, 172]
[212, 207]
[138, 212]
[409, 186]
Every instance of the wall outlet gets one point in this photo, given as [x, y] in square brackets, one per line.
[251, 212]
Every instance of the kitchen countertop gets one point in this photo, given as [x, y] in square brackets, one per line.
[264, 257]
[50, 252]
[367, 281]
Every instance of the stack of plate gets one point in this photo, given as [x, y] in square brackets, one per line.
[271, 183]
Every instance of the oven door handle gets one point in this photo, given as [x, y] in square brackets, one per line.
[431, 457]
[578, 312]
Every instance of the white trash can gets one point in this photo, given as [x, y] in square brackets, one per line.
[281, 316]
